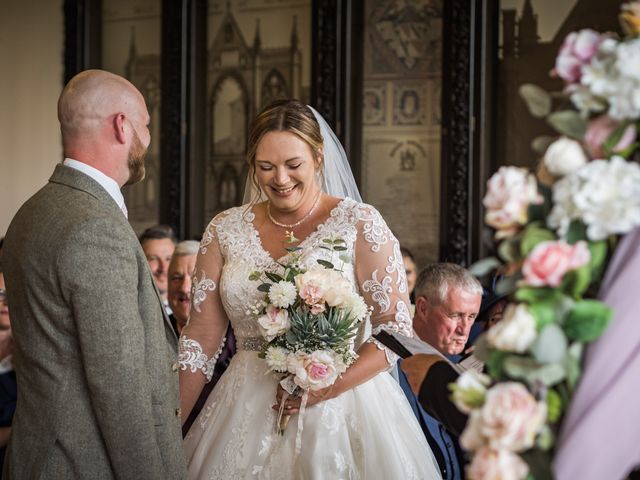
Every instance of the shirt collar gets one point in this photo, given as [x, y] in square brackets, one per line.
[106, 182]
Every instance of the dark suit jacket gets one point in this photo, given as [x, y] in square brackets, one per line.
[95, 355]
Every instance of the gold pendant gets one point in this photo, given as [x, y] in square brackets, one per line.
[290, 237]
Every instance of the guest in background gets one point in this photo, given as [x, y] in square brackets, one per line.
[181, 270]
[158, 243]
[8, 388]
[490, 313]
[447, 302]
[412, 273]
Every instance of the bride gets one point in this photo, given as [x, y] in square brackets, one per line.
[361, 427]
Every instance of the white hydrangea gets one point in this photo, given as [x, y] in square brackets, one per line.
[282, 294]
[605, 195]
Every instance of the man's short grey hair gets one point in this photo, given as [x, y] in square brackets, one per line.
[186, 247]
[435, 280]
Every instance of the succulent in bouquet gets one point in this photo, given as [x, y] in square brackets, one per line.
[555, 230]
[309, 318]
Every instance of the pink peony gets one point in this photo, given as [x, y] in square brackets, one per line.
[549, 261]
[274, 322]
[577, 50]
[311, 293]
[510, 191]
[510, 417]
[600, 129]
[488, 464]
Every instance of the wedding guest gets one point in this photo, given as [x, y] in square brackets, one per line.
[447, 302]
[94, 352]
[8, 387]
[602, 421]
[179, 274]
[411, 271]
[158, 243]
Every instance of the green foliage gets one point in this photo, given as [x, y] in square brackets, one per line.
[484, 266]
[274, 277]
[332, 329]
[264, 287]
[532, 236]
[495, 363]
[569, 123]
[551, 345]
[255, 276]
[538, 101]
[326, 264]
[587, 320]
[541, 143]
[554, 406]
[577, 231]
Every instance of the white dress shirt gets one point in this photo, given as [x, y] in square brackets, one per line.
[106, 182]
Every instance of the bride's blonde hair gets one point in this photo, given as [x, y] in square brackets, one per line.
[282, 116]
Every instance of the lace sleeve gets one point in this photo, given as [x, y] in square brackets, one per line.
[381, 276]
[202, 338]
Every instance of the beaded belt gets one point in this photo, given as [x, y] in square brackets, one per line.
[250, 343]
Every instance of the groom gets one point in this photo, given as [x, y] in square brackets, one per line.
[95, 353]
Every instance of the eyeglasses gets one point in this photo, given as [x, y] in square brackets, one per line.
[3, 294]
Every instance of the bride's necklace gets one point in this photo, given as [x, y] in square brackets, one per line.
[291, 226]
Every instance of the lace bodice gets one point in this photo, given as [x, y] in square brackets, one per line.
[231, 250]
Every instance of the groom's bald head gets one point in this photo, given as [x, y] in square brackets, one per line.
[93, 96]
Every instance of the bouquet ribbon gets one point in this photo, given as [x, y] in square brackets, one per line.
[281, 423]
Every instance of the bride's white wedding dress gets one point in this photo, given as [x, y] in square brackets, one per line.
[368, 432]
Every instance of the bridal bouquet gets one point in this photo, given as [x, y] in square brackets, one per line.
[555, 232]
[309, 318]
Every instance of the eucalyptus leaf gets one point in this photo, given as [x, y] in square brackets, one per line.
[264, 287]
[550, 345]
[484, 266]
[274, 277]
[255, 276]
[538, 101]
[549, 375]
[615, 137]
[528, 369]
[292, 249]
[519, 367]
[325, 263]
[338, 248]
[568, 122]
[533, 294]
[345, 258]
[573, 363]
[495, 363]
[587, 320]
[576, 282]
[541, 143]
[327, 241]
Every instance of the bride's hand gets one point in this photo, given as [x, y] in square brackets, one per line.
[292, 403]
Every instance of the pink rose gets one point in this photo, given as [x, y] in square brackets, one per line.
[510, 417]
[549, 261]
[315, 370]
[510, 191]
[274, 322]
[577, 50]
[600, 129]
[488, 464]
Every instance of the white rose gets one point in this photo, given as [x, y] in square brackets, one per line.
[511, 417]
[472, 438]
[276, 358]
[516, 332]
[564, 156]
[469, 390]
[274, 322]
[510, 191]
[605, 195]
[489, 464]
[339, 291]
[282, 294]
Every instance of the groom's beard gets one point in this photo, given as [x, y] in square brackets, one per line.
[135, 161]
